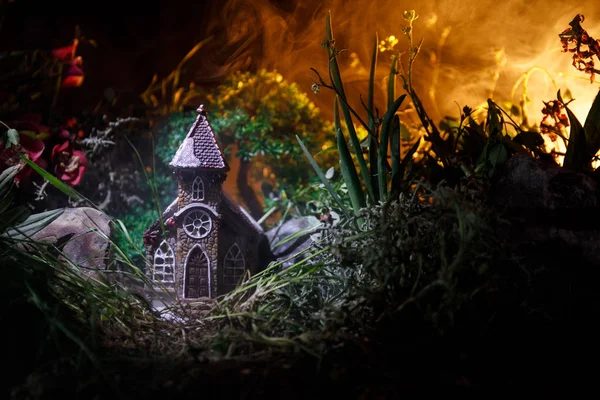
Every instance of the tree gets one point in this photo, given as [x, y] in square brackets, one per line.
[260, 114]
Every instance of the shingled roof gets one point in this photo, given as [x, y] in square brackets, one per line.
[200, 148]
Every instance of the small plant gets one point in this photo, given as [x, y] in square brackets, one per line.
[373, 185]
[584, 141]
[583, 59]
[32, 82]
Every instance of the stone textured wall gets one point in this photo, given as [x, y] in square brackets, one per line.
[212, 188]
[212, 198]
[208, 244]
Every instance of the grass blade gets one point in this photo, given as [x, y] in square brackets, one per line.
[7, 178]
[337, 81]
[370, 105]
[592, 129]
[382, 164]
[575, 156]
[54, 181]
[357, 196]
[12, 215]
[323, 178]
[32, 224]
[373, 130]
[395, 145]
[391, 92]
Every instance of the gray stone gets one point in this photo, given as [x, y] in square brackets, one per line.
[296, 245]
[86, 231]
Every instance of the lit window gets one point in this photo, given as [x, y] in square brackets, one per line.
[164, 261]
[198, 189]
[234, 265]
[197, 223]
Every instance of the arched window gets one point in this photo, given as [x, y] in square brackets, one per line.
[234, 265]
[198, 189]
[164, 263]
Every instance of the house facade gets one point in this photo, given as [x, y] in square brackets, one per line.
[207, 243]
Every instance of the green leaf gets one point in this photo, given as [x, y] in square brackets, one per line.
[32, 224]
[493, 155]
[494, 120]
[383, 166]
[497, 155]
[7, 179]
[324, 180]
[357, 197]
[6, 202]
[373, 128]
[370, 101]
[592, 129]
[337, 81]
[12, 136]
[398, 178]
[391, 89]
[395, 145]
[575, 156]
[405, 133]
[13, 216]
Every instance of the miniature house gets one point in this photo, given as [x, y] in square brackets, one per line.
[208, 242]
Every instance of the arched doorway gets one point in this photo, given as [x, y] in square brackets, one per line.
[197, 274]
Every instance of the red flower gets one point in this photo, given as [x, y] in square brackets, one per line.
[69, 164]
[73, 74]
[33, 149]
[64, 134]
[66, 53]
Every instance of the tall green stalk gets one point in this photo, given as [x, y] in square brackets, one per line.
[357, 196]
[339, 88]
[373, 126]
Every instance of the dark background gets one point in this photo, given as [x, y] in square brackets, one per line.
[135, 39]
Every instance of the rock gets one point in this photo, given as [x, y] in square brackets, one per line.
[296, 245]
[84, 232]
[524, 182]
[549, 204]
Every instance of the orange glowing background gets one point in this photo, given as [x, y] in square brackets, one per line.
[471, 50]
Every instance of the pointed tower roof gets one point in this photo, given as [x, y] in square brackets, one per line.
[200, 148]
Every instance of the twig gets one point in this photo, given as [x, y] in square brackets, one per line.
[40, 192]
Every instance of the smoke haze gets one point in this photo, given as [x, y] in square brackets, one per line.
[485, 40]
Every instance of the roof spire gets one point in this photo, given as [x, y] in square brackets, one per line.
[200, 148]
